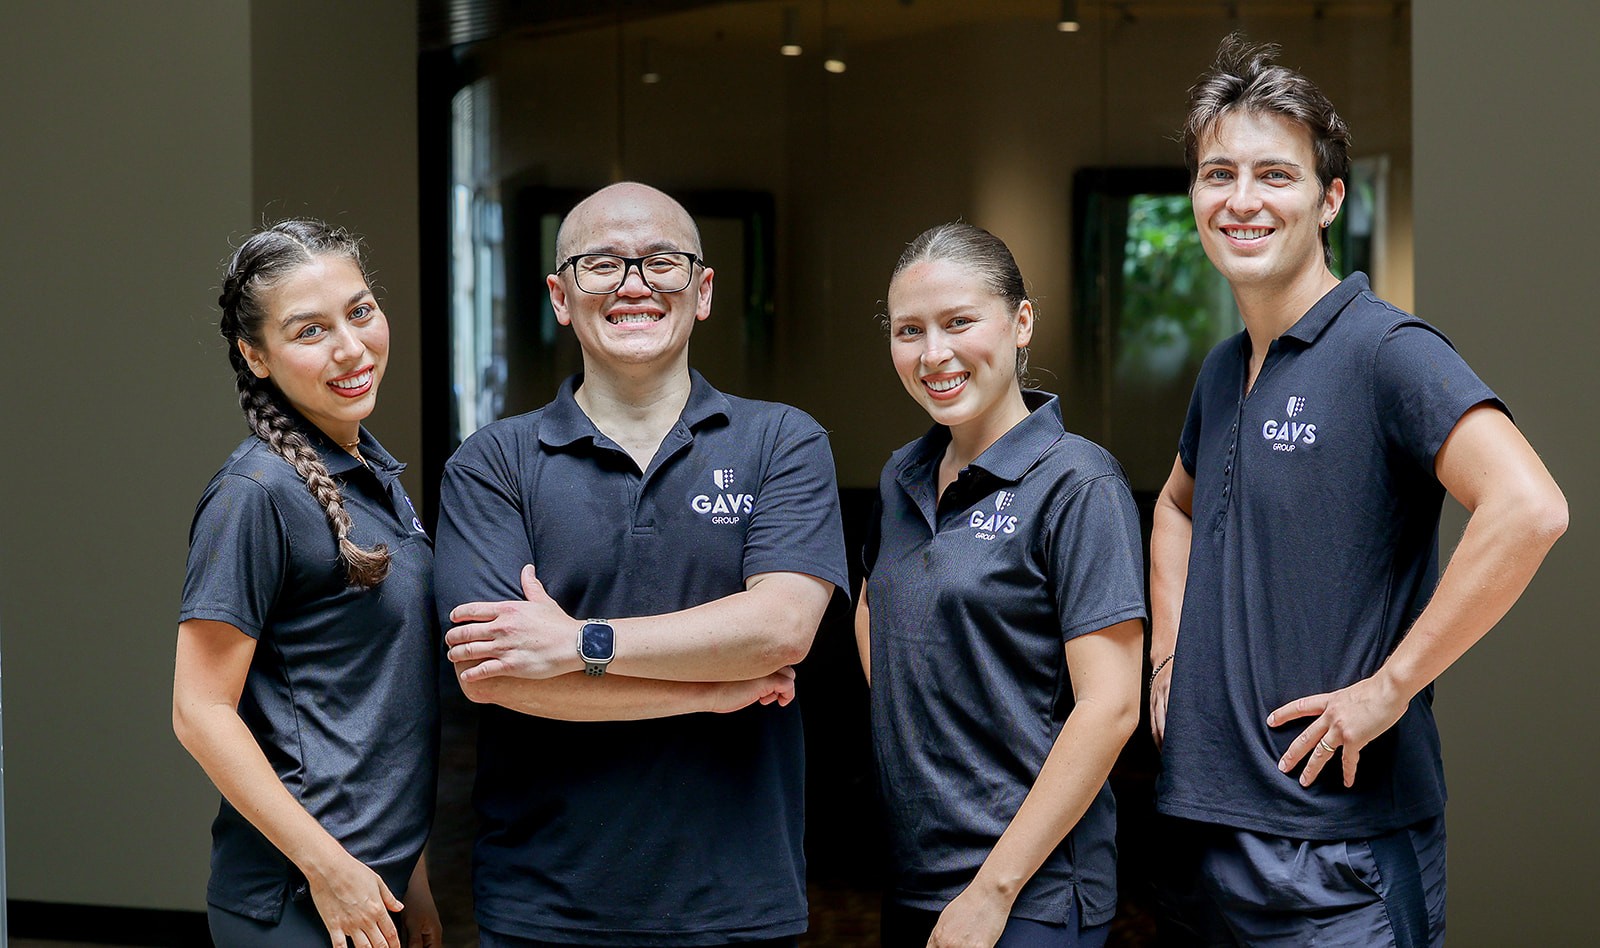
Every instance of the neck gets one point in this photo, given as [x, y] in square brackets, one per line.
[346, 438]
[634, 410]
[1269, 311]
[971, 439]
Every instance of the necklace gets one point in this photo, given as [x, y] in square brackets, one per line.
[351, 446]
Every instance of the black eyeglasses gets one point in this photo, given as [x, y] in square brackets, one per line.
[666, 272]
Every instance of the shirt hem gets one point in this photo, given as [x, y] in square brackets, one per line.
[211, 613]
[1308, 830]
[822, 571]
[1089, 626]
[618, 937]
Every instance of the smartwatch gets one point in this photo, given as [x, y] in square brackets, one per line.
[597, 646]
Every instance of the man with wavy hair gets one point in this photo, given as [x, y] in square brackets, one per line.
[1299, 619]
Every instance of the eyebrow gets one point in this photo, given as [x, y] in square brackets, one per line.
[1234, 163]
[659, 246]
[355, 298]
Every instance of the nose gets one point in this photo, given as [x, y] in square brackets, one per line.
[347, 343]
[1244, 199]
[633, 283]
[935, 349]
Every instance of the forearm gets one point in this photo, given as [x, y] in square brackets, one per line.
[219, 741]
[1078, 764]
[611, 697]
[1169, 573]
[863, 628]
[419, 875]
[1505, 542]
[743, 636]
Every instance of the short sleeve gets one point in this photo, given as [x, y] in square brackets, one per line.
[795, 526]
[874, 536]
[482, 541]
[1421, 388]
[1096, 557]
[1189, 440]
[238, 556]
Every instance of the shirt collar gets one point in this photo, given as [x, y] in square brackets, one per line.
[1010, 457]
[1317, 318]
[339, 461]
[565, 423]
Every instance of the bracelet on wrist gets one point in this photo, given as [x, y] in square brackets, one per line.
[1162, 664]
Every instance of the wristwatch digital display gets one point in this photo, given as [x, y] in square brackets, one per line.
[597, 646]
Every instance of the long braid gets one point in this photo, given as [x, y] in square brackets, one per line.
[256, 265]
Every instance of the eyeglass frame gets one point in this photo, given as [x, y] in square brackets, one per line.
[629, 264]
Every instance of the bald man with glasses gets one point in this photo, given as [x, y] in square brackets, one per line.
[628, 576]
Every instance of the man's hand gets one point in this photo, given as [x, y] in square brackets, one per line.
[531, 639]
[776, 687]
[1347, 720]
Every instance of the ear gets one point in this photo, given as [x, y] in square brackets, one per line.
[558, 299]
[702, 301]
[1024, 323]
[1333, 200]
[253, 358]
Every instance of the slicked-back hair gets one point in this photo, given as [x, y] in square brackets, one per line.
[261, 262]
[979, 251]
[1247, 78]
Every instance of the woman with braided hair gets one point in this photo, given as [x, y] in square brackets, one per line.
[305, 680]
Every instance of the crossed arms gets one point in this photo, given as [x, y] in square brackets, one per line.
[520, 651]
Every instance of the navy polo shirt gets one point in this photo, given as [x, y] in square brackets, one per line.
[684, 830]
[342, 689]
[1314, 547]
[1035, 543]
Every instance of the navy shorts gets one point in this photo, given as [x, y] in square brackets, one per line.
[1220, 886]
[906, 927]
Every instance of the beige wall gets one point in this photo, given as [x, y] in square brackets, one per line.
[126, 167]
[334, 105]
[138, 141]
[1506, 203]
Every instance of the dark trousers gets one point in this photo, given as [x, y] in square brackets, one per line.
[1227, 887]
[298, 927]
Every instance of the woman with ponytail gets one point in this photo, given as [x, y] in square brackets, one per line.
[305, 679]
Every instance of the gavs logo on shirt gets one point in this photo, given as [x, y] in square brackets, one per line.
[1286, 435]
[987, 525]
[725, 506]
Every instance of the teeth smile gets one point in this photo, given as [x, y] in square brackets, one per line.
[624, 319]
[945, 385]
[353, 382]
[1247, 233]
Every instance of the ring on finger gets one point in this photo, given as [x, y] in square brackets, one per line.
[1323, 743]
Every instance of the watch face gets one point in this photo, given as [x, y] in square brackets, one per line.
[597, 642]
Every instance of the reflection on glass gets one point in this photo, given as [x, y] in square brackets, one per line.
[477, 267]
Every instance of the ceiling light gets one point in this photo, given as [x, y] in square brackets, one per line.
[647, 63]
[835, 61]
[791, 32]
[1068, 21]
